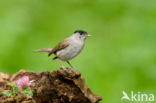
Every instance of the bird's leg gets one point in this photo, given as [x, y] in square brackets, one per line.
[62, 66]
[70, 65]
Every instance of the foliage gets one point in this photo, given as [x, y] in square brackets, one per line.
[13, 91]
[16, 90]
[29, 91]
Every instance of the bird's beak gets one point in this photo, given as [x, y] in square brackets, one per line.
[88, 35]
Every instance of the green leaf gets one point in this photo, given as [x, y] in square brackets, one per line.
[24, 92]
[29, 91]
[14, 90]
[8, 94]
[11, 84]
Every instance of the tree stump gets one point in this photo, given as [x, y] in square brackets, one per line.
[60, 86]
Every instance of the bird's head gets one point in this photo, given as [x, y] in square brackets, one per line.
[81, 34]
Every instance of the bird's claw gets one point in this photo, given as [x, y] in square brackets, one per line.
[63, 67]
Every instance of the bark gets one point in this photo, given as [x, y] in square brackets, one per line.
[60, 86]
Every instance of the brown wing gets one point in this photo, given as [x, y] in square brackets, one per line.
[60, 46]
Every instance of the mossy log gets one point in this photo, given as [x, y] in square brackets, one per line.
[60, 86]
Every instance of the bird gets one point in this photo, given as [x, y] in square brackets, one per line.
[68, 48]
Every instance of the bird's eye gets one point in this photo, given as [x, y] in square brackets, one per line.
[81, 33]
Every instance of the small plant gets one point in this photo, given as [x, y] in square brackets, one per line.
[23, 82]
[21, 85]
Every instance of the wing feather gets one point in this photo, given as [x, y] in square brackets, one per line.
[60, 46]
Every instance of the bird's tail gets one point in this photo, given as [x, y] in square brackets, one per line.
[44, 50]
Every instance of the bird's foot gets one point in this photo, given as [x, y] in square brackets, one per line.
[63, 67]
[73, 68]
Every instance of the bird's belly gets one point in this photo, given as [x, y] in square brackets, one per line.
[69, 52]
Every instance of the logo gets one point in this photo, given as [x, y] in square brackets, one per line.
[139, 97]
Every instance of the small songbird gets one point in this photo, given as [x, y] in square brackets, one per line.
[68, 48]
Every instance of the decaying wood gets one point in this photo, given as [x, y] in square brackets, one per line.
[59, 86]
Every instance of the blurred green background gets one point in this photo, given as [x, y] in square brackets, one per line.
[120, 55]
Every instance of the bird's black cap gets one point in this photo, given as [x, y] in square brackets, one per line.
[80, 31]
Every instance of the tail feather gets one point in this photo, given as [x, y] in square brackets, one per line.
[44, 50]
